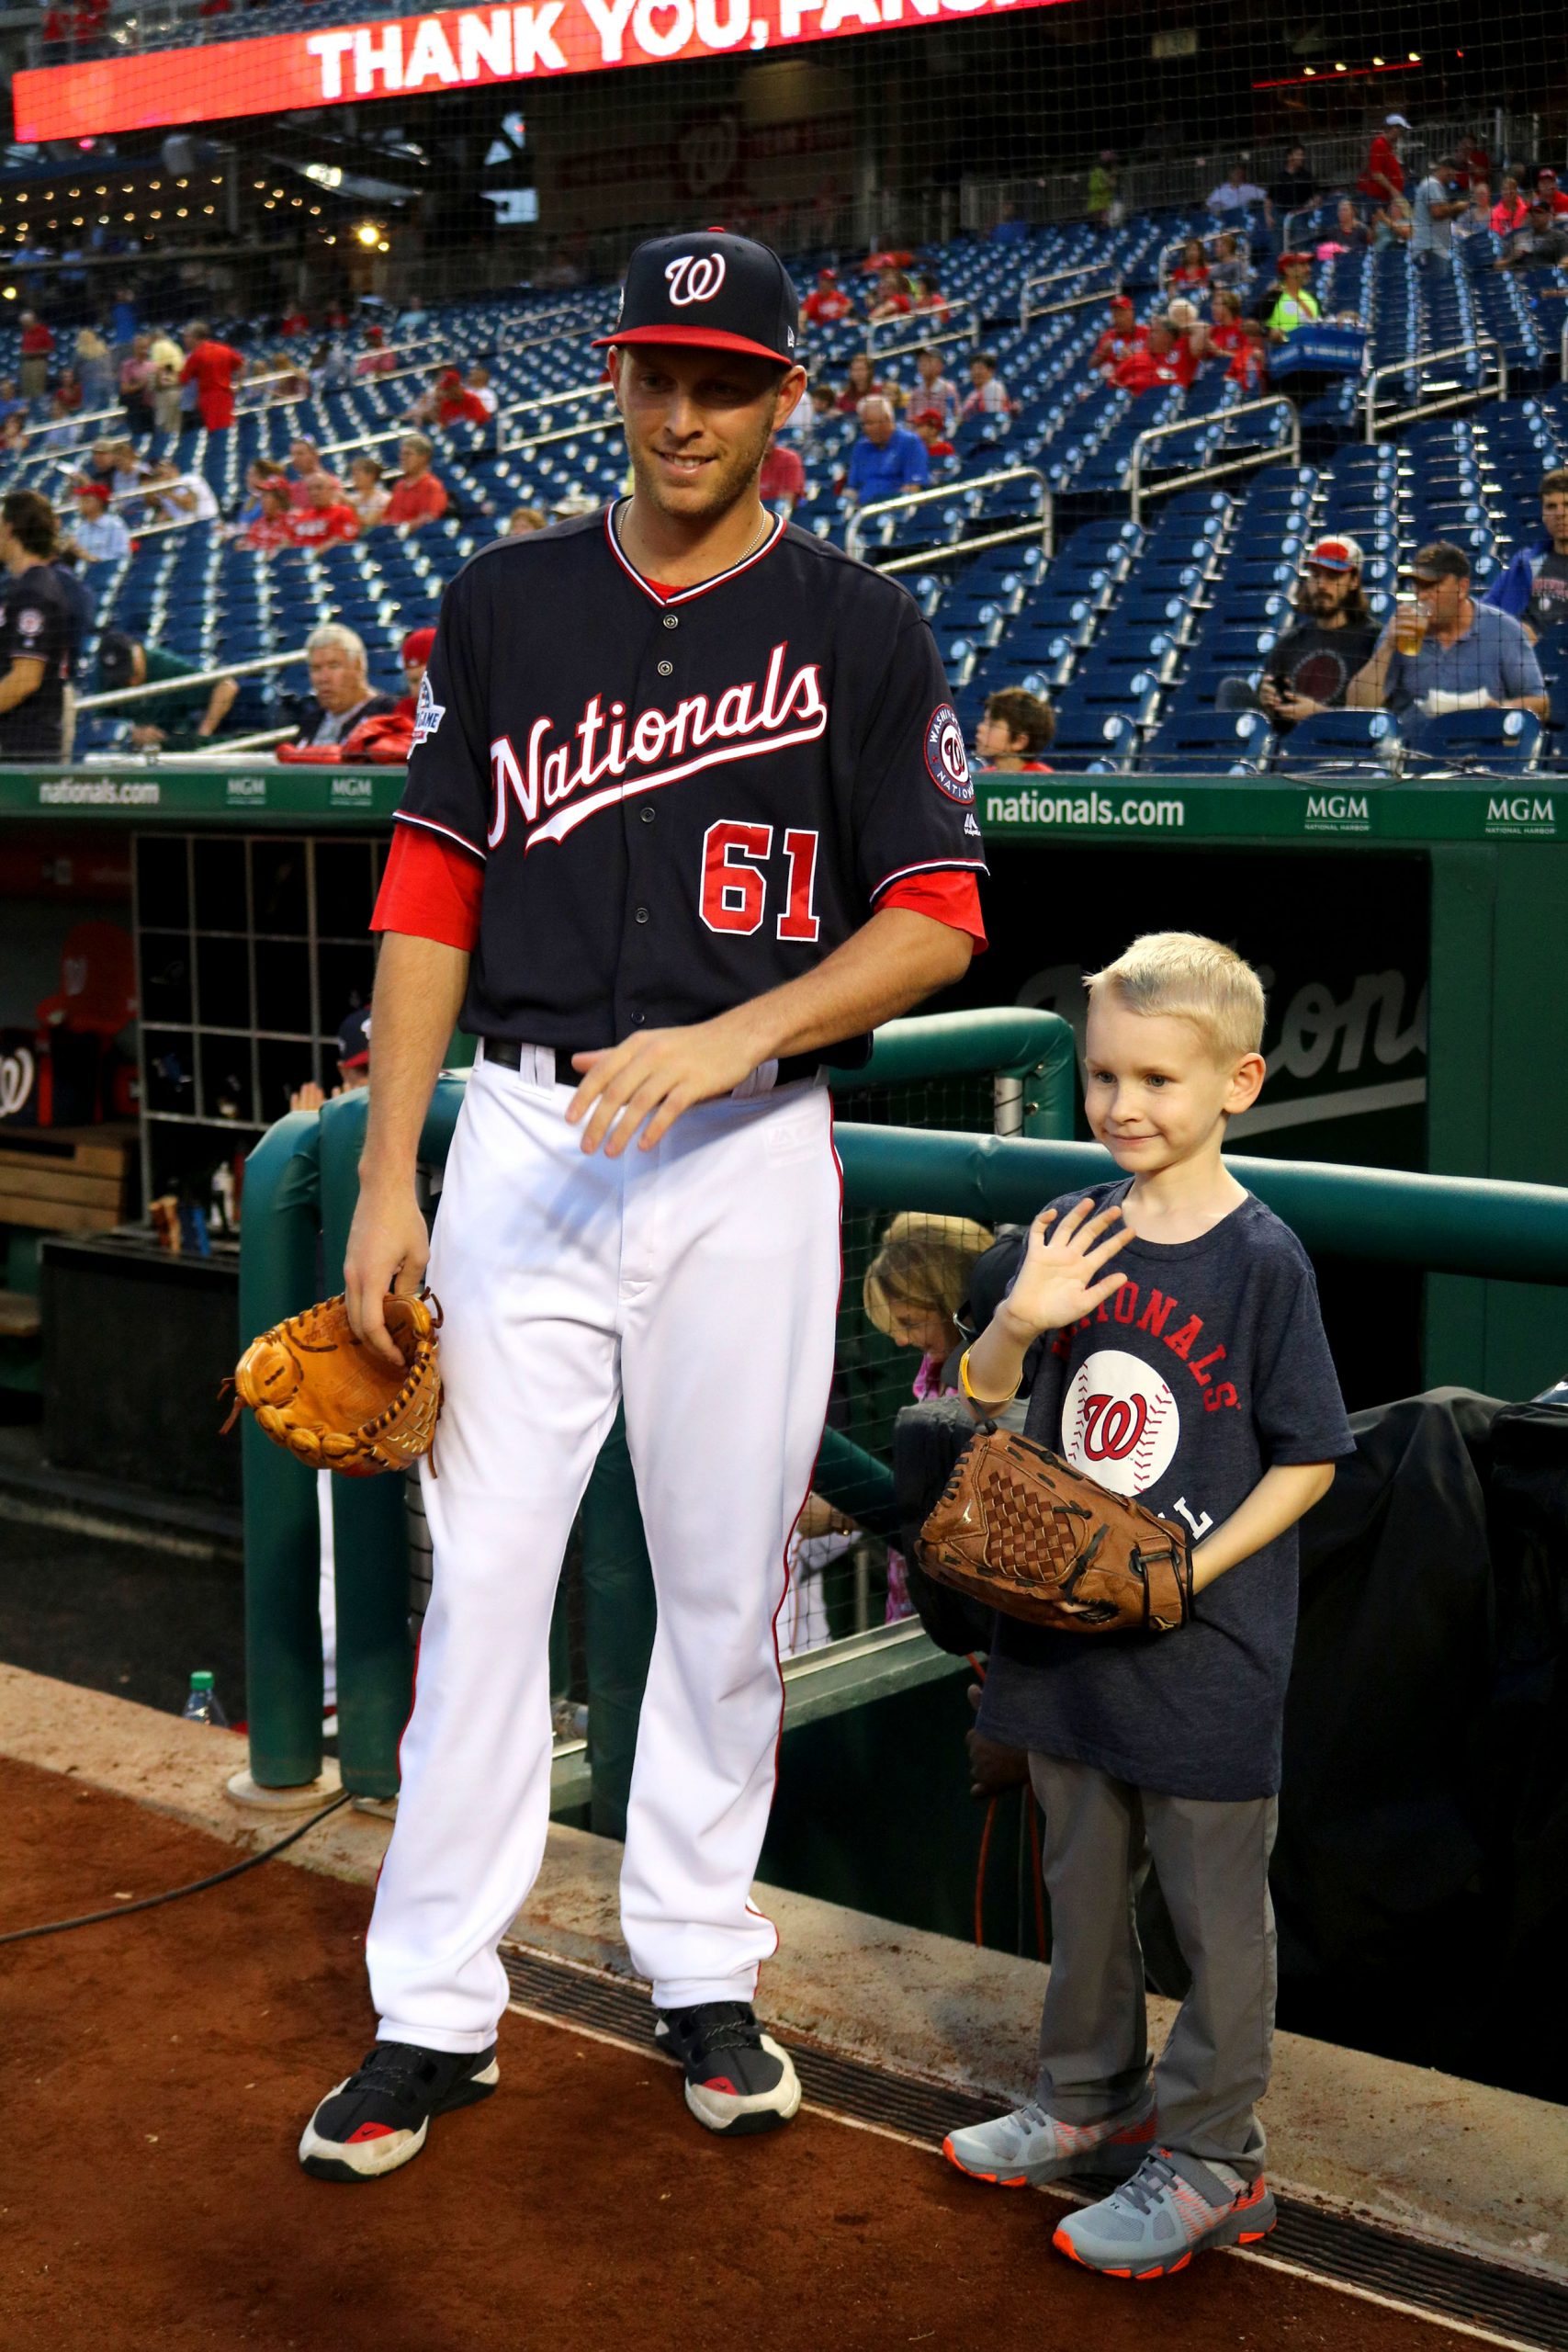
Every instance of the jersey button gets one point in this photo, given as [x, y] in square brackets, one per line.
[642, 915]
[666, 668]
[672, 620]
[647, 815]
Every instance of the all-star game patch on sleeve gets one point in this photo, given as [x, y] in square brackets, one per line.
[447, 791]
[914, 798]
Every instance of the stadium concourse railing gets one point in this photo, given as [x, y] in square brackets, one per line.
[1375, 420]
[961, 326]
[1290, 447]
[1045, 280]
[301, 1184]
[1041, 527]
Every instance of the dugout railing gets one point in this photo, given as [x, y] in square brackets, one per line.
[1009, 1071]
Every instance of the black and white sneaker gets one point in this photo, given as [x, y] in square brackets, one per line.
[379, 2119]
[737, 2080]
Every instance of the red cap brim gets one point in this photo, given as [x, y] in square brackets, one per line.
[695, 339]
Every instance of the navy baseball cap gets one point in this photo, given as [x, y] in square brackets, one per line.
[354, 1040]
[710, 290]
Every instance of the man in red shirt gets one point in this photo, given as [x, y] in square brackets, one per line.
[1384, 175]
[304, 465]
[782, 479]
[456, 404]
[326, 518]
[212, 367]
[1116, 340]
[827, 301]
[1161, 360]
[1547, 190]
[38, 343]
[417, 497]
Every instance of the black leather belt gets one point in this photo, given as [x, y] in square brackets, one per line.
[508, 1053]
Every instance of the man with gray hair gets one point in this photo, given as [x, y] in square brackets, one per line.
[341, 693]
[888, 458]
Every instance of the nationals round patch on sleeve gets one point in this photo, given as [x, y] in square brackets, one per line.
[945, 756]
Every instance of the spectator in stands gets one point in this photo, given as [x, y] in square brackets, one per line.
[1192, 270]
[1385, 176]
[136, 372]
[1017, 726]
[1471, 162]
[417, 496]
[819, 414]
[1333, 639]
[11, 401]
[213, 367]
[38, 631]
[1436, 208]
[1101, 190]
[274, 525]
[888, 458]
[1351, 236]
[375, 359]
[782, 484]
[1115, 341]
[175, 722]
[1008, 229]
[415, 653]
[1470, 656]
[1546, 187]
[329, 517]
[1222, 334]
[890, 297]
[1534, 588]
[37, 349]
[1248, 364]
[1393, 223]
[340, 686]
[1161, 359]
[1475, 220]
[858, 385]
[168, 360]
[99, 537]
[988, 395]
[304, 465]
[1295, 190]
[932, 389]
[524, 519]
[940, 451]
[1541, 244]
[259, 473]
[367, 493]
[827, 303]
[478, 386]
[61, 431]
[1511, 210]
[95, 369]
[1295, 305]
[68, 390]
[1228, 268]
[1236, 195]
[929, 302]
[181, 497]
[123, 322]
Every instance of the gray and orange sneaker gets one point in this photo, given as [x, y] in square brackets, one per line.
[1172, 2208]
[1028, 2147]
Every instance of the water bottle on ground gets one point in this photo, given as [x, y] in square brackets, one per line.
[201, 1706]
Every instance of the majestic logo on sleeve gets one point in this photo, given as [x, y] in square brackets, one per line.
[694, 277]
[945, 756]
[428, 713]
[610, 755]
[1120, 1423]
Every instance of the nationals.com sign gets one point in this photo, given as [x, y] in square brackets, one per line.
[454, 48]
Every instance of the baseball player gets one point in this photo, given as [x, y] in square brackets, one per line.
[687, 814]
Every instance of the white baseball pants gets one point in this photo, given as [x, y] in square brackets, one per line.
[698, 1280]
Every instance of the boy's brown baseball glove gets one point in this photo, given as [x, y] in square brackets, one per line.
[1019, 1530]
[317, 1390]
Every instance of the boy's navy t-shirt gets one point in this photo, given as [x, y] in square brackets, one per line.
[1207, 1368]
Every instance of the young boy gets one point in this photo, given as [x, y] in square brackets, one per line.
[1183, 1360]
[1017, 726]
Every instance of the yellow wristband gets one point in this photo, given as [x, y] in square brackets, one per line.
[964, 1382]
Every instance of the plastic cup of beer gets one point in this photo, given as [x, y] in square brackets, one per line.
[1409, 629]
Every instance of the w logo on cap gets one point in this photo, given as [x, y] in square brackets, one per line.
[694, 277]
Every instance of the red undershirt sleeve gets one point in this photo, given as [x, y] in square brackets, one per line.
[950, 898]
[431, 889]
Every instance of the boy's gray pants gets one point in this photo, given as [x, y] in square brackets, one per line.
[1211, 1859]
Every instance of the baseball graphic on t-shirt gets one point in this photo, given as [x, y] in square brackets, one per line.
[1120, 1424]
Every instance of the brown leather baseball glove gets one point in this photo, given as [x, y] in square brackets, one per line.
[316, 1389]
[1019, 1530]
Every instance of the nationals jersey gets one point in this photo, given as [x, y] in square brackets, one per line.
[680, 797]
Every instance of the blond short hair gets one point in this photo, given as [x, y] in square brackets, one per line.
[924, 1262]
[1181, 974]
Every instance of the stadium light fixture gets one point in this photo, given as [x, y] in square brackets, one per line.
[369, 234]
[9, 293]
[382, 246]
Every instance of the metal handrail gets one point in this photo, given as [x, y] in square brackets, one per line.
[1470, 350]
[601, 388]
[1209, 237]
[950, 334]
[569, 433]
[366, 440]
[1209, 473]
[1027, 309]
[119, 694]
[536, 341]
[1041, 525]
